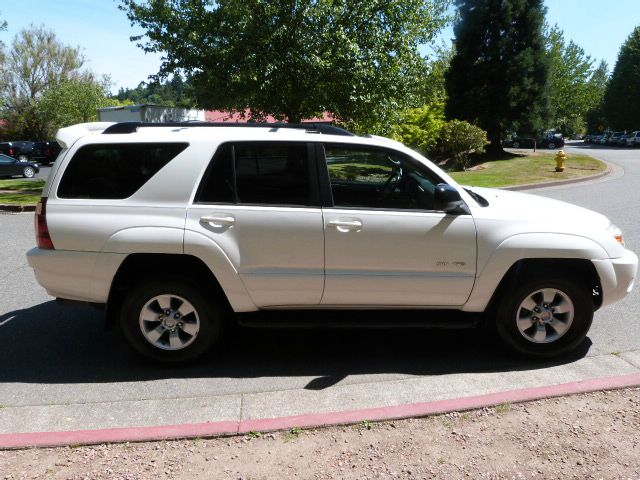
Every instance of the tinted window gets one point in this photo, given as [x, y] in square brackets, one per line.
[265, 173]
[114, 171]
[376, 178]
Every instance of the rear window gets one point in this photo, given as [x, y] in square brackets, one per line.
[114, 171]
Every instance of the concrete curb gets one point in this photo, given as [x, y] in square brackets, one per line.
[232, 427]
[554, 183]
[8, 207]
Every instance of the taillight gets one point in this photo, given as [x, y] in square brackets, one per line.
[11, 152]
[42, 231]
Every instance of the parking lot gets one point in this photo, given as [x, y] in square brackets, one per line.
[59, 358]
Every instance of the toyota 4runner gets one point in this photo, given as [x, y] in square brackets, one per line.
[174, 226]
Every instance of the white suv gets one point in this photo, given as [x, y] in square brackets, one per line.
[170, 226]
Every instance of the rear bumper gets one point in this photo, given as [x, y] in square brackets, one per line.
[81, 276]
[617, 276]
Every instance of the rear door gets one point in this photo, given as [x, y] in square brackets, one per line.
[259, 202]
[384, 242]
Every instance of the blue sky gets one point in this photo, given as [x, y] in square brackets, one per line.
[102, 31]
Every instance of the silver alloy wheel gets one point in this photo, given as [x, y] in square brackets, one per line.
[169, 322]
[23, 158]
[28, 172]
[516, 145]
[545, 315]
[551, 146]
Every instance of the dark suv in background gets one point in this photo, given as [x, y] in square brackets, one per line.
[43, 152]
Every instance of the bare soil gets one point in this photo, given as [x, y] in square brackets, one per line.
[588, 436]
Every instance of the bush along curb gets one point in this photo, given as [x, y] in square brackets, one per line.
[11, 208]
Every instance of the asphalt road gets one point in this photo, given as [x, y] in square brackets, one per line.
[57, 355]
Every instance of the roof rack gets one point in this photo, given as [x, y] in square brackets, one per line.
[325, 128]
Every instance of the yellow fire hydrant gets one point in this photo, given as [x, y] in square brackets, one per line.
[561, 157]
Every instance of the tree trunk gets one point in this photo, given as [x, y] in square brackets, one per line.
[495, 147]
[293, 118]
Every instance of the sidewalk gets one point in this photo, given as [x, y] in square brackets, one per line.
[203, 416]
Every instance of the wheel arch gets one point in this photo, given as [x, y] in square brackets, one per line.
[578, 269]
[138, 265]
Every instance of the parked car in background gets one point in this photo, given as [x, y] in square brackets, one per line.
[615, 138]
[551, 142]
[45, 152]
[11, 167]
[604, 139]
[22, 150]
[633, 139]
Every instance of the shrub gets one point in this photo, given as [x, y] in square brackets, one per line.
[459, 139]
[419, 128]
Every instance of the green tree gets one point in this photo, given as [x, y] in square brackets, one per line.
[575, 87]
[595, 117]
[294, 58]
[35, 61]
[172, 93]
[622, 97]
[72, 101]
[498, 75]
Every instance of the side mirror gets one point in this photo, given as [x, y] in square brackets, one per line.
[448, 200]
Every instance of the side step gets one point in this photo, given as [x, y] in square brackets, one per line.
[355, 319]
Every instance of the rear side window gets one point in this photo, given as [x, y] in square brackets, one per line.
[271, 173]
[114, 171]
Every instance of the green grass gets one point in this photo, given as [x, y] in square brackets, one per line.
[21, 192]
[532, 168]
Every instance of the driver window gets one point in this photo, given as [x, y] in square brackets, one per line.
[376, 178]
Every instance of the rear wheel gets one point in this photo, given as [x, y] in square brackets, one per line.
[23, 158]
[551, 146]
[545, 317]
[170, 321]
[516, 144]
[28, 172]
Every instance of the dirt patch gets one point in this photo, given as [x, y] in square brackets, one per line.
[588, 436]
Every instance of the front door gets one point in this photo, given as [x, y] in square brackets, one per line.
[384, 243]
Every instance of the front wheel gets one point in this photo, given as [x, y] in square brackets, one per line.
[545, 317]
[28, 172]
[551, 146]
[170, 321]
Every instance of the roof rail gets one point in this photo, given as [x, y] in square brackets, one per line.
[325, 128]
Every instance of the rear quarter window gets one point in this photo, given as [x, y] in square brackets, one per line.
[114, 171]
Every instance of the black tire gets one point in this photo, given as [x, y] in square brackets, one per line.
[28, 172]
[206, 311]
[516, 144]
[506, 324]
[551, 146]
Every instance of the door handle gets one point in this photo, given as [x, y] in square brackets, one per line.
[346, 225]
[218, 220]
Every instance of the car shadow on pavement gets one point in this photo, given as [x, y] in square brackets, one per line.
[52, 343]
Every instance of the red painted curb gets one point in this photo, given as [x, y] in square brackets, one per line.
[212, 429]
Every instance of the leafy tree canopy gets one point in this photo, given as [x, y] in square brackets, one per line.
[36, 62]
[172, 93]
[622, 97]
[498, 75]
[72, 101]
[575, 86]
[293, 59]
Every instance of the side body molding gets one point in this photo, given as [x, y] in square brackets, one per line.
[213, 256]
[525, 246]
